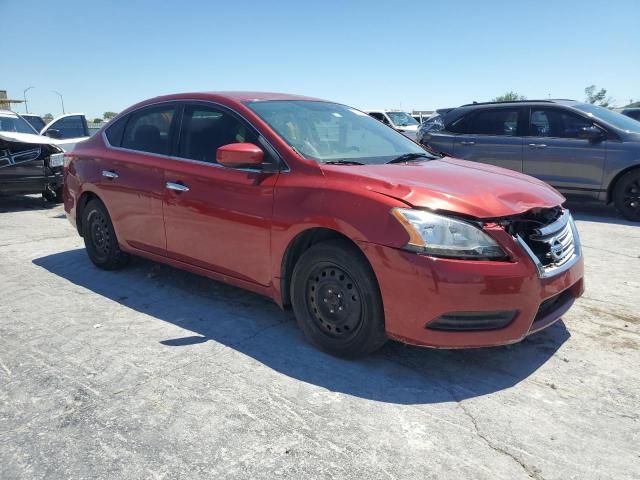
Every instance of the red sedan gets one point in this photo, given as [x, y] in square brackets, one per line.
[322, 208]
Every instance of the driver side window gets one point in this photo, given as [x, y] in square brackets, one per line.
[556, 123]
[205, 129]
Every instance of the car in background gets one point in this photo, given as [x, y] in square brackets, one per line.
[67, 130]
[36, 121]
[633, 112]
[319, 206]
[578, 148]
[398, 120]
[29, 163]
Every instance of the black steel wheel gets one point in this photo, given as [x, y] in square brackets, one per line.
[626, 195]
[337, 301]
[100, 239]
[333, 300]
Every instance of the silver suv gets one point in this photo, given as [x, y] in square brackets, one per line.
[579, 148]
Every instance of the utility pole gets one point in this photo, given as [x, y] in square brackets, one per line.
[24, 95]
[61, 100]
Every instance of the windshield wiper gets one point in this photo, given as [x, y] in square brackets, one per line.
[410, 156]
[342, 162]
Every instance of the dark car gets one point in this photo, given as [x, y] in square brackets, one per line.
[319, 206]
[632, 112]
[578, 148]
[29, 163]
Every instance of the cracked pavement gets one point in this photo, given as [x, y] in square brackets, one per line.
[156, 373]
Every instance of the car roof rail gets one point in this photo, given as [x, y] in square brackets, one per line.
[546, 100]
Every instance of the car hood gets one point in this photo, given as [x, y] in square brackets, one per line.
[408, 128]
[66, 144]
[448, 184]
[26, 138]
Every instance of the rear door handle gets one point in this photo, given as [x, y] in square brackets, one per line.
[537, 145]
[467, 142]
[178, 187]
[110, 174]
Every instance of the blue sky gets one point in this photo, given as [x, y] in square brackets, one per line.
[417, 54]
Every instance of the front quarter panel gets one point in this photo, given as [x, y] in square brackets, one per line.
[303, 202]
[620, 157]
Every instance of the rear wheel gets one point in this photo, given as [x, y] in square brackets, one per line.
[100, 238]
[626, 195]
[336, 300]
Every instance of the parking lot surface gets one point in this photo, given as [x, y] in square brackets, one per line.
[152, 372]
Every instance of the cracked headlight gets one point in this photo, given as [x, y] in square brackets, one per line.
[442, 236]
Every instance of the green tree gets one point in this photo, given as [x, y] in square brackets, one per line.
[109, 115]
[509, 97]
[597, 97]
[47, 117]
[97, 120]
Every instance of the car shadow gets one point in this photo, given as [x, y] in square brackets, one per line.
[21, 203]
[255, 326]
[593, 211]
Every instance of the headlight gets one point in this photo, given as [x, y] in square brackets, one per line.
[446, 237]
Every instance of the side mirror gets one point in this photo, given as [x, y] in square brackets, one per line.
[53, 133]
[590, 133]
[237, 155]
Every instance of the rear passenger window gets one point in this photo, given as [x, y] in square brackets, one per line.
[115, 131]
[205, 129]
[503, 121]
[149, 130]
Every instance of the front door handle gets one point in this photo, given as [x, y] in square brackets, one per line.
[110, 174]
[467, 142]
[178, 187]
[537, 145]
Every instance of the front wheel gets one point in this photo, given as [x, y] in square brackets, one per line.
[100, 238]
[626, 195]
[336, 300]
[53, 196]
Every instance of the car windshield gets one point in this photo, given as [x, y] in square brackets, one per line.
[36, 122]
[613, 118]
[401, 119]
[329, 132]
[9, 123]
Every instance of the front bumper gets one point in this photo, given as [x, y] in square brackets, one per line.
[418, 289]
[25, 185]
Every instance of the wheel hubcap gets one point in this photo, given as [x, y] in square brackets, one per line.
[632, 196]
[334, 301]
[100, 236]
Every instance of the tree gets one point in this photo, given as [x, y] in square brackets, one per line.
[109, 115]
[47, 117]
[97, 120]
[597, 98]
[509, 97]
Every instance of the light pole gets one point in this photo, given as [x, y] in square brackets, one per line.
[24, 94]
[61, 100]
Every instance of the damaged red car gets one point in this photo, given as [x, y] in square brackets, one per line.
[317, 205]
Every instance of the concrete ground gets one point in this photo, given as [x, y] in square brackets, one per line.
[155, 373]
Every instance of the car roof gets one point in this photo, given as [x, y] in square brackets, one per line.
[8, 113]
[236, 96]
[562, 101]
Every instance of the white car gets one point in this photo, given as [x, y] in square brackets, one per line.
[397, 119]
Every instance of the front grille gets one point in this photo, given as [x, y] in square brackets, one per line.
[553, 246]
[18, 153]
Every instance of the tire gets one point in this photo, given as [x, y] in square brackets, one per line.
[626, 195]
[336, 300]
[100, 238]
[53, 197]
